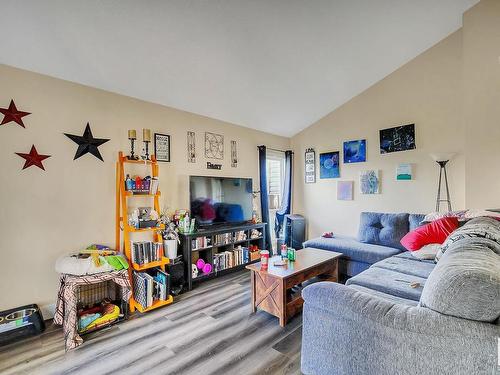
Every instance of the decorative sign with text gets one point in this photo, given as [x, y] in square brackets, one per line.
[213, 166]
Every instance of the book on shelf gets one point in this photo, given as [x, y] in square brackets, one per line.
[223, 239]
[232, 258]
[144, 252]
[153, 186]
[240, 236]
[151, 287]
[201, 242]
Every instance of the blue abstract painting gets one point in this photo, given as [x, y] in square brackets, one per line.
[329, 165]
[355, 151]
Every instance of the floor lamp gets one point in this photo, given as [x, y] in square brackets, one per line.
[442, 160]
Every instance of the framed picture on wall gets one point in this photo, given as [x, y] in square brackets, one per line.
[310, 166]
[162, 147]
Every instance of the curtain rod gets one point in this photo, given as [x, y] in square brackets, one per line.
[275, 149]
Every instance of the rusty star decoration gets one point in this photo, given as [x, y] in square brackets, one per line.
[13, 114]
[33, 158]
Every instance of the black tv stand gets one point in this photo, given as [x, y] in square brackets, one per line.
[191, 252]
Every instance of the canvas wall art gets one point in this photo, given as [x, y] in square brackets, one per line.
[329, 165]
[345, 190]
[191, 147]
[355, 151]
[404, 172]
[400, 138]
[369, 182]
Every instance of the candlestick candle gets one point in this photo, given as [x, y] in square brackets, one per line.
[146, 135]
[132, 134]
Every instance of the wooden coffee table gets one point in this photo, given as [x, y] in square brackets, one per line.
[272, 287]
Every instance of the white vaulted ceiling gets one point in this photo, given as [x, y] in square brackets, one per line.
[272, 65]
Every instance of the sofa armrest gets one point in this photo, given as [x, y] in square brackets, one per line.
[349, 331]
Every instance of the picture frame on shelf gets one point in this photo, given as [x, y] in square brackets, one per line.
[162, 147]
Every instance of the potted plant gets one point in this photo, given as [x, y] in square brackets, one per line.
[170, 235]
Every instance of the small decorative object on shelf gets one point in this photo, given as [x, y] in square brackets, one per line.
[132, 135]
[146, 138]
[170, 235]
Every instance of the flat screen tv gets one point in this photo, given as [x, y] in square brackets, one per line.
[220, 200]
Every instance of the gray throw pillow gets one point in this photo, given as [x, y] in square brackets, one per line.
[383, 229]
[484, 227]
[466, 281]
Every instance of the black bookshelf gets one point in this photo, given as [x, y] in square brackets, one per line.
[207, 252]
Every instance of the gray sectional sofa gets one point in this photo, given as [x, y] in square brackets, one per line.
[406, 316]
[379, 238]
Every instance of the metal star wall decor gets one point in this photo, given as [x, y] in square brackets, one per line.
[87, 143]
[13, 114]
[33, 158]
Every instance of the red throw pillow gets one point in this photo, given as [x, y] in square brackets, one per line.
[434, 232]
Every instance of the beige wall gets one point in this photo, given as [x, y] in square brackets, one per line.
[72, 203]
[482, 103]
[452, 93]
[427, 92]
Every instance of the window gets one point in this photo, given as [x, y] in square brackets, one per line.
[275, 181]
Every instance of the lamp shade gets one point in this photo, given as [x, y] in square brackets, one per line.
[442, 156]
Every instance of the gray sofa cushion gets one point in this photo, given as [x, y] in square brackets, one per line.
[389, 282]
[383, 229]
[353, 249]
[388, 297]
[466, 281]
[415, 221]
[406, 266]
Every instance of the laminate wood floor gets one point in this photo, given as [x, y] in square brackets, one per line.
[209, 330]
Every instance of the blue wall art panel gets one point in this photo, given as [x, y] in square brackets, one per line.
[329, 165]
[355, 151]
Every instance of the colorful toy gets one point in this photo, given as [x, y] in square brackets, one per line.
[207, 268]
[200, 263]
[194, 271]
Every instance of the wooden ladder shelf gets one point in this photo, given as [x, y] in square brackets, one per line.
[122, 225]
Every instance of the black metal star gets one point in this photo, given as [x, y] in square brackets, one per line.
[87, 143]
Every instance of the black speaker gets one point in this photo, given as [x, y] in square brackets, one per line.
[294, 231]
[177, 280]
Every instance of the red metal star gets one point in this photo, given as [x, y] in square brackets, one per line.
[12, 114]
[33, 158]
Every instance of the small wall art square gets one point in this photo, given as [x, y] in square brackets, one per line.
[369, 182]
[345, 190]
[355, 151]
[404, 172]
[400, 138]
[329, 165]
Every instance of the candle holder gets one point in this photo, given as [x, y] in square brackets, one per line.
[146, 147]
[132, 136]
[132, 156]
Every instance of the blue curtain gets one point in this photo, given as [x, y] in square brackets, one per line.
[286, 202]
[264, 200]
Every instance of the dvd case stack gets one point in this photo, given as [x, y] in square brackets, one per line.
[146, 252]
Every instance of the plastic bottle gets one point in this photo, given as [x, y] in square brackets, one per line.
[128, 183]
